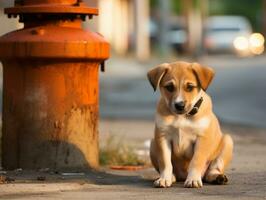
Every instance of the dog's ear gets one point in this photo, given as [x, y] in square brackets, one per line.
[203, 74]
[156, 74]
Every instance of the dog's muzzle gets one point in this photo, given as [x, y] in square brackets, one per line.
[180, 106]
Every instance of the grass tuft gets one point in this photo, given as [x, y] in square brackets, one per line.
[117, 152]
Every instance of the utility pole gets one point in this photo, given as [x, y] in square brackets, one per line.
[142, 29]
[204, 10]
[121, 32]
[164, 11]
[187, 6]
[194, 18]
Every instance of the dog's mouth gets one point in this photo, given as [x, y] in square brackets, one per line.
[178, 112]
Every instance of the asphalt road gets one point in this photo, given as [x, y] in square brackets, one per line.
[238, 90]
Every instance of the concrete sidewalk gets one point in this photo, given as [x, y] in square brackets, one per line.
[247, 173]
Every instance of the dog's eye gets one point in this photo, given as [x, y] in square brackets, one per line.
[170, 87]
[190, 87]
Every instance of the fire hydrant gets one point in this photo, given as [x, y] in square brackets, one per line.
[50, 86]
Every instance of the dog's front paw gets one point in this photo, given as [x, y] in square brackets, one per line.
[193, 181]
[162, 182]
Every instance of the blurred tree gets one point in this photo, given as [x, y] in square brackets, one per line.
[263, 17]
[142, 18]
[153, 3]
[164, 18]
[192, 11]
[195, 11]
[175, 5]
[252, 9]
[163, 8]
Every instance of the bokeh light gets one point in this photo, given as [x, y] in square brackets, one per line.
[241, 43]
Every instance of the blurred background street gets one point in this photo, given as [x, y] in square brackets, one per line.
[237, 90]
[227, 35]
[145, 33]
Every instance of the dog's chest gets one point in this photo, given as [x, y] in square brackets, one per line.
[182, 132]
[182, 143]
[169, 124]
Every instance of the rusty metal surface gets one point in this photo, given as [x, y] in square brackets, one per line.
[51, 9]
[56, 7]
[54, 42]
[50, 89]
[34, 2]
[50, 114]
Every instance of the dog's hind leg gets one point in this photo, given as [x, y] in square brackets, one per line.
[215, 172]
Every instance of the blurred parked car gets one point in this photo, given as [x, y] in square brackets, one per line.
[176, 35]
[153, 30]
[232, 34]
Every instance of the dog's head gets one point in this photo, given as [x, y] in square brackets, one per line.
[180, 84]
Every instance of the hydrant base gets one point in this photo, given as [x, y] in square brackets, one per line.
[50, 114]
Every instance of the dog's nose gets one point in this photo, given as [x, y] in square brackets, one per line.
[180, 106]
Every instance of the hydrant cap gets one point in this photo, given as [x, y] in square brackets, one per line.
[53, 30]
[50, 6]
[39, 2]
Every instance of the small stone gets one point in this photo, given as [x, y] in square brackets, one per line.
[82, 182]
[6, 179]
[72, 174]
[2, 179]
[41, 178]
[62, 178]
[18, 171]
[9, 179]
[3, 172]
[44, 169]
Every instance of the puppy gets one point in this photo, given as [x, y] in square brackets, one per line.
[188, 144]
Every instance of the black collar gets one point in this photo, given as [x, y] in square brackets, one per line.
[196, 107]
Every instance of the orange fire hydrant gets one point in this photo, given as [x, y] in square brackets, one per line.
[50, 86]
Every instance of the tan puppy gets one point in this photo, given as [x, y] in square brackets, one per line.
[188, 144]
